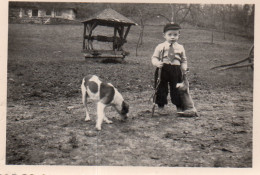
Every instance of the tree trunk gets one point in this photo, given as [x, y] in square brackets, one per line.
[212, 37]
[224, 26]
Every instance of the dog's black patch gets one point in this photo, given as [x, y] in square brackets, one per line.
[107, 93]
[87, 79]
[93, 87]
[125, 108]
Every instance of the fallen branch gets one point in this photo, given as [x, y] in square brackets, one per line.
[245, 65]
[250, 59]
[231, 64]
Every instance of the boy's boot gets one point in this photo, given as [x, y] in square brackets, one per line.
[179, 109]
[161, 111]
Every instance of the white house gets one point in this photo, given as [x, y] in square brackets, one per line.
[51, 13]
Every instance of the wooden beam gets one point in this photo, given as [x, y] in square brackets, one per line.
[114, 41]
[104, 38]
[91, 28]
[87, 26]
[127, 31]
[102, 52]
[121, 32]
[121, 35]
[84, 34]
[104, 56]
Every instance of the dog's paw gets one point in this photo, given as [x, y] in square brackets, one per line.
[109, 121]
[87, 119]
[98, 128]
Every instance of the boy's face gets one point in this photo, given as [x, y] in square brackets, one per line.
[171, 35]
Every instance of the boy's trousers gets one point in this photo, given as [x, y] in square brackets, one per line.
[170, 76]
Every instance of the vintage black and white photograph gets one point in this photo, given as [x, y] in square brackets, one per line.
[130, 84]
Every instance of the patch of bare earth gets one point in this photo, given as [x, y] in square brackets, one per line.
[59, 135]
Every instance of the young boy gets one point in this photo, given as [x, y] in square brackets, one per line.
[170, 57]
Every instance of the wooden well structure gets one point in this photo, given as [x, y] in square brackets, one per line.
[108, 18]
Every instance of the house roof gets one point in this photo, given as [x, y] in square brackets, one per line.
[41, 5]
[109, 16]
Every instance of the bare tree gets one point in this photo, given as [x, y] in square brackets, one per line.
[221, 11]
[213, 23]
[143, 14]
[140, 39]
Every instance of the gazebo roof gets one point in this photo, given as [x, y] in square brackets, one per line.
[108, 17]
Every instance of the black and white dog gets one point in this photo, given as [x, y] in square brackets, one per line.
[106, 95]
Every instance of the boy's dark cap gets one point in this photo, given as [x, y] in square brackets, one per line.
[171, 26]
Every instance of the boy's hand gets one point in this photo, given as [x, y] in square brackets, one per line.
[159, 64]
[184, 67]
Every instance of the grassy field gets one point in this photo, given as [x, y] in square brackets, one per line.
[45, 117]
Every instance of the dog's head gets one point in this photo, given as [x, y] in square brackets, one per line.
[124, 110]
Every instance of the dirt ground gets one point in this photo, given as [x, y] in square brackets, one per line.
[45, 117]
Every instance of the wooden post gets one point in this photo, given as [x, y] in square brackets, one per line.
[91, 28]
[121, 32]
[212, 36]
[88, 29]
[114, 42]
[121, 36]
[84, 34]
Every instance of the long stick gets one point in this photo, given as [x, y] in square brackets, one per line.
[156, 88]
[157, 83]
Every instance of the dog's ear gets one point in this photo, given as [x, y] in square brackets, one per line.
[125, 107]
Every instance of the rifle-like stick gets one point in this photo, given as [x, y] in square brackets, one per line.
[158, 81]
